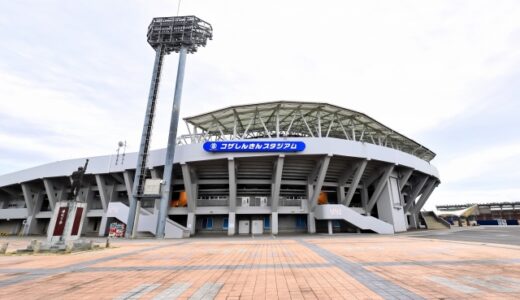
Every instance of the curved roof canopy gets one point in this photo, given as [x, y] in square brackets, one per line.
[297, 119]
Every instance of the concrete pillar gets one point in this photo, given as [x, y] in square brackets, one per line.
[274, 223]
[417, 188]
[355, 182]
[231, 223]
[414, 222]
[232, 185]
[329, 225]
[379, 187]
[340, 194]
[105, 199]
[311, 223]
[103, 194]
[88, 200]
[425, 195]
[364, 199]
[31, 202]
[189, 187]
[276, 183]
[103, 226]
[51, 194]
[322, 171]
[191, 222]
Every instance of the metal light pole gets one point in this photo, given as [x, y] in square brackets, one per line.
[182, 34]
[140, 170]
[170, 150]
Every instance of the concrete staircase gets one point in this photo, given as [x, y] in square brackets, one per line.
[147, 221]
[341, 212]
[434, 222]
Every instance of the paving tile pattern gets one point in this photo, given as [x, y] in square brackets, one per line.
[309, 267]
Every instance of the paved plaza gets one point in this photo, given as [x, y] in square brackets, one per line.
[410, 266]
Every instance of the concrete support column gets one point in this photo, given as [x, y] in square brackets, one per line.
[415, 192]
[232, 185]
[322, 171]
[379, 188]
[30, 205]
[364, 198]
[88, 200]
[189, 187]
[414, 222]
[191, 222]
[276, 183]
[103, 226]
[355, 182]
[51, 193]
[310, 192]
[274, 223]
[403, 179]
[231, 223]
[425, 195]
[157, 202]
[311, 223]
[104, 196]
[38, 201]
[329, 226]
[341, 194]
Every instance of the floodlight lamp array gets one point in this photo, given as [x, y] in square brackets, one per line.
[174, 33]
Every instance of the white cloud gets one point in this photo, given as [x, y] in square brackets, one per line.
[76, 90]
[489, 161]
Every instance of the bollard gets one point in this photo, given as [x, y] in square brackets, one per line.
[69, 246]
[35, 245]
[3, 247]
[107, 244]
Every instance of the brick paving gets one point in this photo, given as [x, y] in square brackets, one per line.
[303, 267]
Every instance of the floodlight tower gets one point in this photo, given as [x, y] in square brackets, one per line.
[183, 35]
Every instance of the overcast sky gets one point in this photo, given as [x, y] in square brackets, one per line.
[74, 76]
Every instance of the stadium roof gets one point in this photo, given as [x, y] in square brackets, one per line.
[298, 119]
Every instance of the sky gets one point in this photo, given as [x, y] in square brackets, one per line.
[74, 76]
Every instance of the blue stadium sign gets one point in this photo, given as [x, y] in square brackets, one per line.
[254, 146]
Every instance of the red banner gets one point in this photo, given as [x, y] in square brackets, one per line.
[60, 221]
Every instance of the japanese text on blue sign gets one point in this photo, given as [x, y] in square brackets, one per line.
[256, 146]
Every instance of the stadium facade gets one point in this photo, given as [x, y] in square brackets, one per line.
[272, 167]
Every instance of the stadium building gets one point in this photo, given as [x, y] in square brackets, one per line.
[275, 167]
